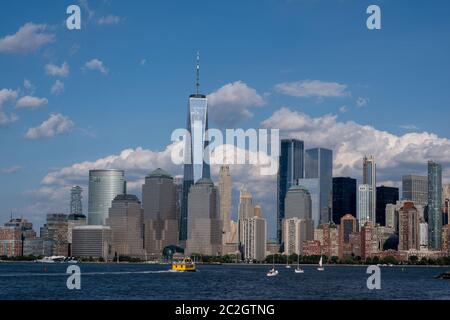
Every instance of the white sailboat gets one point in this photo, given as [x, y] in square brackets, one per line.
[272, 272]
[321, 268]
[298, 269]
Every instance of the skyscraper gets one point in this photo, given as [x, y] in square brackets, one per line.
[246, 208]
[365, 212]
[160, 216]
[125, 221]
[196, 163]
[344, 198]
[254, 242]
[415, 189]
[370, 178]
[319, 165]
[295, 232]
[76, 206]
[434, 205]
[290, 169]
[55, 232]
[104, 186]
[204, 224]
[348, 225]
[298, 203]
[225, 201]
[408, 227]
[385, 195]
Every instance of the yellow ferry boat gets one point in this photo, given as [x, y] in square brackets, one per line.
[185, 264]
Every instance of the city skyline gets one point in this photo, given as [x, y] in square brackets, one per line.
[38, 182]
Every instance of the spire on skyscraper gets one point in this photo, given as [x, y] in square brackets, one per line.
[197, 84]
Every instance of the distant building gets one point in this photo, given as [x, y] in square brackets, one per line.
[291, 167]
[385, 195]
[423, 235]
[328, 236]
[204, 224]
[246, 208]
[258, 211]
[33, 247]
[434, 205]
[298, 203]
[254, 232]
[295, 232]
[159, 197]
[370, 179]
[391, 216]
[272, 247]
[104, 186]
[76, 204]
[369, 243]
[348, 225]
[319, 165]
[74, 220]
[446, 239]
[415, 189]
[10, 242]
[312, 248]
[55, 233]
[126, 222]
[365, 204]
[344, 198]
[313, 187]
[92, 241]
[225, 202]
[408, 227]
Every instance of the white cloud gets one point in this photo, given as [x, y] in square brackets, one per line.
[110, 19]
[31, 102]
[28, 86]
[28, 38]
[395, 155]
[409, 127]
[11, 170]
[96, 64]
[57, 71]
[343, 109]
[362, 102]
[7, 95]
[312, 88]
[57, 124]
[57, 87]
[231, 103]
[7, 119]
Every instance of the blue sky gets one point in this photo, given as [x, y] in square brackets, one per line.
[398, 75]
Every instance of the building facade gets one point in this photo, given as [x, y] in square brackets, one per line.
[365, 204]
[92, 241]
[225, 202]
[55, 233]
[370, 179]
[344, 197]
[385, 195]
[434, 205]
[254, 243]
[295, 232]
[76, 204]
[409, 222]
[415, 189]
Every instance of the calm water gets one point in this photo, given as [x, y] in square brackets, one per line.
[138, 281]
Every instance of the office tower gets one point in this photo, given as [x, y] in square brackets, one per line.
[391, 217]
[423, 235]
[246, 209]
[76, 206]
[104, 186]
[313, 187]
[254, 242]
[204, 224]
[295, 232]
[74, 220]
[298, 203]
[370, 178]
[290, 169]
[446, 239]
[365, 209]
[258, 211]
[344, 198]
[55, 232]
[10, 242]
[415, 189]
[126, 223]
[159, 195]
[434, 204]
[178, 182]
[445, 203]
[92, 241]
[24, 226]
[384, 196]
[319, 165]
[225, 201]
[408, 218]
[348, 225]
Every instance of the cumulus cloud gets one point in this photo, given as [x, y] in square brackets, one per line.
[7, 95]
[28, 38]
[30, 102]
[57, 71]
[312, 88]
[57, 87]
[12, 170]
[231, 103]
[109, 19]
[57, 124]
[29, 86]
[395, 155]
[96, 64]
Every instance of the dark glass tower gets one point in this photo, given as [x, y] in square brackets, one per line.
[434, 205]
[385, 195]
[344, 198]
[289, 171]
[195, 166]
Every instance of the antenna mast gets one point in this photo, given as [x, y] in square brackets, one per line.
[198, 73]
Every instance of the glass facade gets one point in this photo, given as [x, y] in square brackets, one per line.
[289, 171]
[344, 198]
[415, 188]
[385, 196]
[319, 165]
[370, 178]
[104, 186]
[313, 186]
[434, 205]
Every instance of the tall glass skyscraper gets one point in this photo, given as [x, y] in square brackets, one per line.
[344, 198]
[76, 206]
[370, 178]
[385, 195]
[434, 205]
[290, 169]
[319, 165]
[415, 188]
[196, 163]
[104, 186]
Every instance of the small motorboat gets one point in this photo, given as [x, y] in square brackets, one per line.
[272, 273]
